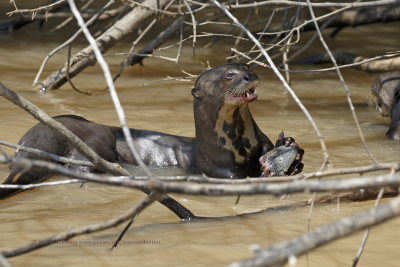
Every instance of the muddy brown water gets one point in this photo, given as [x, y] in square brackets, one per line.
[167, 107]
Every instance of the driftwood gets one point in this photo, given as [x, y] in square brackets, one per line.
[155, 43]
[337, 189]
[345, 58]
[85, 58]
[349, 18]
[362, 16]
[367, 13]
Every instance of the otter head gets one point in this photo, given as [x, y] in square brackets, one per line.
[386, 92]
[226, 135]
[231, 84]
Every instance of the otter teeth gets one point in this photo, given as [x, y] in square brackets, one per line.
[249, 92]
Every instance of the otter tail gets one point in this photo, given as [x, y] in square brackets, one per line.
[18, 176]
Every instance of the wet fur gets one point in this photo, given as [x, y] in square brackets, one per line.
[228, 142]
[386, 90]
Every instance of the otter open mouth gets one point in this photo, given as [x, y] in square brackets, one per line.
[248, 95]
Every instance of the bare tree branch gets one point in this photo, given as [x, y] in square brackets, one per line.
[358, 17]
[31, 186]
[326, 4]
[248, 188]
[47, 155]
[291, 19]
[86, 57]
[136, 210]
[348, 96]
[160, 39]
[34, 10]
[280, 253]
[4, 262]
[366, 233]
[388, 62]
[235, 187]
[136, 42]
[111, 87]
[286, 85]
[69, 41]
[83, 148]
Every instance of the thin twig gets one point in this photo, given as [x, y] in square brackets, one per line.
[249, 188]
[280, 253]
[348, 96]
[161, 38]
[136, 42]
[110, 85]
[47, 155]
[312, 201]
[311, 40]
[34, 10]
[169, 202]
[31, 186]
[70, 17]
[254, 180]
[326, 4]
[60, 129]
[4, 262]
[69, 78]
[70, 40]
[164, 12]
[123, 232]
[240, 36]
[286, 85]
[194, 26]
[130, 52]
[64, 236]
[366, 233]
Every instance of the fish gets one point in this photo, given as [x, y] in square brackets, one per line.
[278, 161]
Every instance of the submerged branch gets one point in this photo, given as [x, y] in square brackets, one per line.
[64, 236]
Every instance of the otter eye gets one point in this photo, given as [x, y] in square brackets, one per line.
[230, 75]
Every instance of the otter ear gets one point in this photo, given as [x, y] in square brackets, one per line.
[196, 92]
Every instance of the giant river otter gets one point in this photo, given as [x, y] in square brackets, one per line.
[386, 90]
[228, 142]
